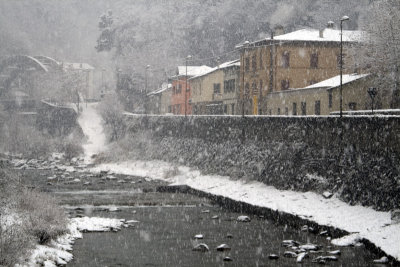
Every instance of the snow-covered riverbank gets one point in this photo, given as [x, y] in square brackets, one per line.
[372, 225]
[59, 252]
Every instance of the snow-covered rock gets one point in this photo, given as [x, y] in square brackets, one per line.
[199, 236]
[223, 247]
[348, 240]
[327, 194]
[395, 216]
[382, 260]
[243, 218]
[201, 247]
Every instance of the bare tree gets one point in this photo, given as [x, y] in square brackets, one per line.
[380, 54]
[111, 111]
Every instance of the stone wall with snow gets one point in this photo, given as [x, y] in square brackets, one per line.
[356, 157]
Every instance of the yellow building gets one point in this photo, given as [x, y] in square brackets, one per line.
[159, 101]
[293, 60]
[216, 92]
[322, 98]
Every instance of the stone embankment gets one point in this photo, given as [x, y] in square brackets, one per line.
[356, 157]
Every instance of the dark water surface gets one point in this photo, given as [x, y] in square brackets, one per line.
[165, 237]
[168, 223]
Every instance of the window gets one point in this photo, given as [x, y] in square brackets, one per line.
[174, 89]
[338, 60]
[314, 61]
[353, 106]
[279, 111]
[254, 62]
[286, 59]
[247, 90]
[169, 109]
[261, 86]
[254, 88]
[247, 64]
[179, 89]
[217, 88]
[303, 108]
[330, 100]
[285, 84]
[295, 109]
[229, 86]
[225, 109]
[261, 60]
[286, 111]
[317, 107]
[233, 109]
[195, 108]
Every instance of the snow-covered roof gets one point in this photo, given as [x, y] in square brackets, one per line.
[228, 64]
[335, 81]
[78, 66]
[328, 35]
[192, 70]
[163, 88]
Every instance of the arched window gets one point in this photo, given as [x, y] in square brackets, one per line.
[286, 59]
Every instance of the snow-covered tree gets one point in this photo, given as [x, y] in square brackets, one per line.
[381, 52]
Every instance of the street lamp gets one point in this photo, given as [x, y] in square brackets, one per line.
[344, 18]
[245, 45]
[372, 91]
[102, 80]
[186, 79]
[145, 89]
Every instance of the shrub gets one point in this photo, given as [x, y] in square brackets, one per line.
[44, 219]
[14, 243]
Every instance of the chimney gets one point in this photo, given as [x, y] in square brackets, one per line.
[321, 33]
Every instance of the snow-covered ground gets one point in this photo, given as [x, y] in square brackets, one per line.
[91, 124]
[59, 252]
[372, 225]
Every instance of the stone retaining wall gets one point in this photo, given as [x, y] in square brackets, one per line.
[357, 157]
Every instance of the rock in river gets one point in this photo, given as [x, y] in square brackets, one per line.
[382, 260]
[309, 247]
[223, 247]
[199, 236]
[290, 243]
[228, 259]
[243, 218]
[273, 257]
[290, 254]
[201, 247]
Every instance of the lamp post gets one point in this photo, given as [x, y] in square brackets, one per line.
[245, 45]
[186, 85]
[344, 18]
[372, 91]
[145, 89]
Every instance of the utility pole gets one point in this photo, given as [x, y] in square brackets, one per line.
[186, 82]
[344, 18]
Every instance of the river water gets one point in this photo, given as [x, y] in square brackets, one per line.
[167, 224]
[164, 236]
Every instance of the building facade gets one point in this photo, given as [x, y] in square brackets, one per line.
[181, 90]
[216, 92]
[160, 100]
[322, 98]
[293, 60]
